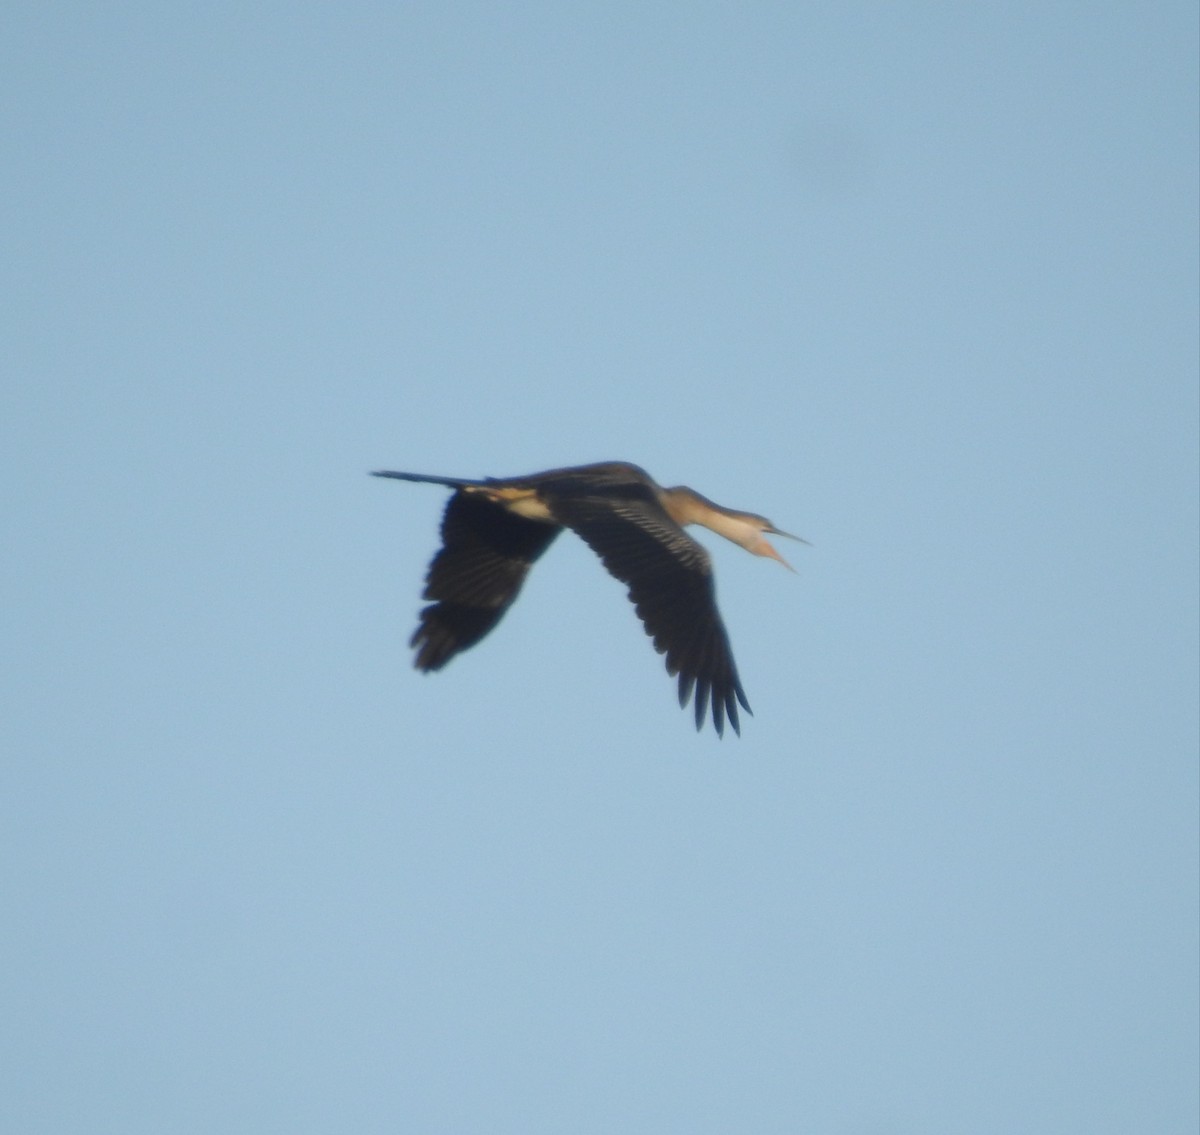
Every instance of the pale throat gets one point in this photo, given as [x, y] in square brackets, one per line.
[688, 507]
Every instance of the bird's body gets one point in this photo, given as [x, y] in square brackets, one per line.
[494, 530]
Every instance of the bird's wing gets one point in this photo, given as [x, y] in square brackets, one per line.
[486, 554]
[670, 583]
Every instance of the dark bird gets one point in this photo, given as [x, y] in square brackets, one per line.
[494, 529]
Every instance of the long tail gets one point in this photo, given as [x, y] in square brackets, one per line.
[453, 482]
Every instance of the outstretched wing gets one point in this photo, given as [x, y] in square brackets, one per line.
[670, 583]
[486, 554]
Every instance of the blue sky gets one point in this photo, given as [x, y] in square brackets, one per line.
[918, 282]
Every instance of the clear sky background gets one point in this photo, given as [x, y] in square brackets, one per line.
[918, 281]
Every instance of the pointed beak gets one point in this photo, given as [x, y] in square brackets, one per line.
[780, 532]
[765, 549]
[762, 548]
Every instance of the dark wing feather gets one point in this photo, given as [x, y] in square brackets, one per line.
[486, 554]
[670, 583]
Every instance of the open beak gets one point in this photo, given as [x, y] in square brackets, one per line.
[765, 549]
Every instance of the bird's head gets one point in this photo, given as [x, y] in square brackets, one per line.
[746, 529]
[755, 538]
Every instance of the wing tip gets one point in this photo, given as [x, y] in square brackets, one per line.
[718, 705]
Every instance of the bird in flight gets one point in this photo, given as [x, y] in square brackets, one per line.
[494, 529]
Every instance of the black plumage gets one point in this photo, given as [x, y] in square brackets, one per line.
[486, 554]
[494, 530]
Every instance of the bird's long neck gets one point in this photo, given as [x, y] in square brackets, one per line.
[686, 506]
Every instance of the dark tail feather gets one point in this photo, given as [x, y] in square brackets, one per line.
[453, 482]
